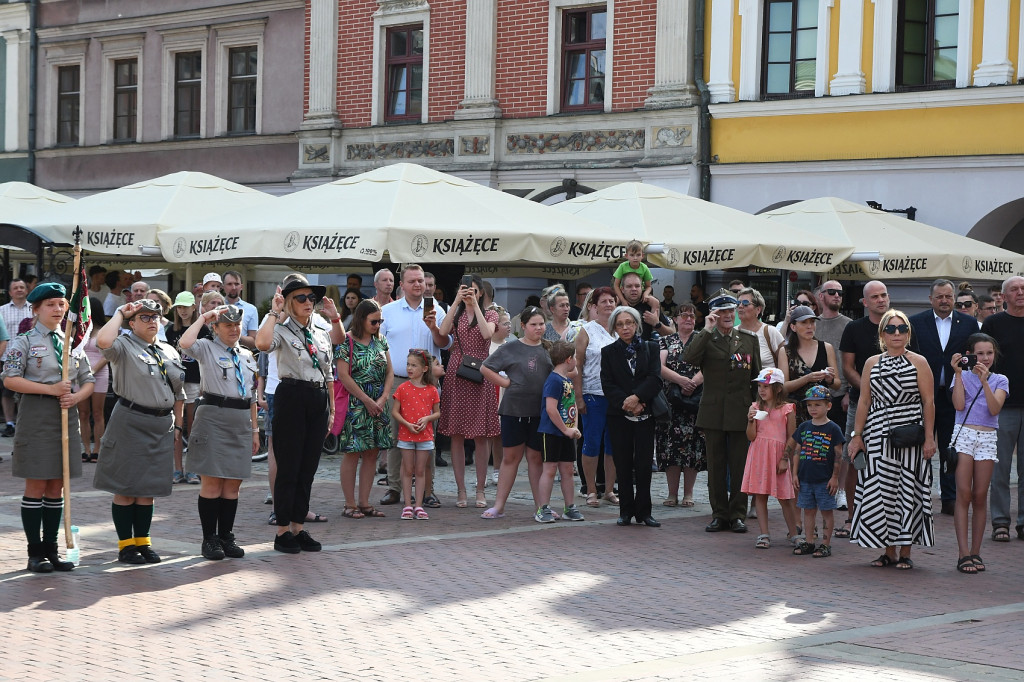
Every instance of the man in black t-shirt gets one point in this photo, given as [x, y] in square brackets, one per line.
[649, 308]
[1007, 328]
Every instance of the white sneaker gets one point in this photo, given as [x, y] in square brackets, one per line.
[841, 499]
[494, 477]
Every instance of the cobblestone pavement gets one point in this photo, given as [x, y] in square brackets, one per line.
[458, 597]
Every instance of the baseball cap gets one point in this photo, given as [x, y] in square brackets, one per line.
[212, 277]
[770, 375]
[801, 313]
[817, 392]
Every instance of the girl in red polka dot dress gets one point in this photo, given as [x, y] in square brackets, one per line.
[416, 406]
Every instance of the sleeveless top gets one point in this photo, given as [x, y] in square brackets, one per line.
[599, 338]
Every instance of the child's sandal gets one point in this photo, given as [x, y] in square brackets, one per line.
[822, 551]
[803, 548]
[407, 513]
[421, 514]
[763, 542]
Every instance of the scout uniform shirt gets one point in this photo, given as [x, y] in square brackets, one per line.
[730, 362]
[32, 355]
[218, 369]
[295, 358]
[136, 373]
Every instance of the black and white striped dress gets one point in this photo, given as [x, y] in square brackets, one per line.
[894, 504]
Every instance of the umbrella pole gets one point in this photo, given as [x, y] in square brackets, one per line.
[69, 540]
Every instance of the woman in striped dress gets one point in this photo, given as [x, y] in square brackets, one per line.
[894, 508]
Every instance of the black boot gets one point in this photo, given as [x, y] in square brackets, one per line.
[54, 557]
[37, 561]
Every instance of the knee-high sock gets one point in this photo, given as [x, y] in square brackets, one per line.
[32, 518]
[122, 515]
[209, 509]
[226, 519]
[142, 519]
[53, 509]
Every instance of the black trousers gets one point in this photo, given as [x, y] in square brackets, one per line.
[632, 448]
[300, 425]
[727, 457]
[945, 418]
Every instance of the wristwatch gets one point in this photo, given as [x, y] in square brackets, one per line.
[853, 433]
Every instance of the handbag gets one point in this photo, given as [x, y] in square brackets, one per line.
[678, 400]
[341, 396]
[906, 436]
[660, 408]
[469, 368]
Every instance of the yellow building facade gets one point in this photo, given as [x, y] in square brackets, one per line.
[904, 102]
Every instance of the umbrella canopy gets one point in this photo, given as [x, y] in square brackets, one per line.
[908, 249]
[124, 219]
[20, 202]
[700, 235]
[410, 212]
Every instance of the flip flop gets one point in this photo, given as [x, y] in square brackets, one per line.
[492, 513]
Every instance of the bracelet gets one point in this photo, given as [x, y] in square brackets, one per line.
[177, 428]
[337, 319]
[274, 313]
[255, 430]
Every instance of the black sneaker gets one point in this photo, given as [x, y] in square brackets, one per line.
[212, 549]
[148, 554]
[130, 555]
[285, 542]
[231, 549]
[307, 543]
[8, 431]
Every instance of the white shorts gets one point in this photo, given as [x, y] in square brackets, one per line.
[418, 445]
[981, 445]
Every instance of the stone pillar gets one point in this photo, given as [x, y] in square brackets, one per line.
[995, 67]
[673, 57]
[481, 39]
[720, 82]
[849, 78]
[323, 64]
[15, 102]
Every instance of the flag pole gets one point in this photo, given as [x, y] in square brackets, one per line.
[69, 540]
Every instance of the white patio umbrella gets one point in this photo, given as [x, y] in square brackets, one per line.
[20, 202]
[123, 220]
[410, 212]
[908, 249]
[700, 235]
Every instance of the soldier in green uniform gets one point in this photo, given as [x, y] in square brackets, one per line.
[33, 369]
[137, 451]
[730, 360]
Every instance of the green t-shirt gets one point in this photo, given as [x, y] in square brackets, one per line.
[643, 271]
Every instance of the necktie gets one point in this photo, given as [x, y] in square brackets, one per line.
[59, 347]
[238, 372]
[159, 361]
[310, 347]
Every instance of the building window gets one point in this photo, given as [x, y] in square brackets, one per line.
[69, 98]
[188, 93]
[243, 62]
[126, 102]
[404, 68]
[790, 48]
[926, 43]
[584, 35]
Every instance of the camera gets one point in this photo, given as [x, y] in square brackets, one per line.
[968, 361]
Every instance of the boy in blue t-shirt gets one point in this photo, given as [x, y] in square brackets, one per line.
[558, 433]
[634, 264]
[819, 444]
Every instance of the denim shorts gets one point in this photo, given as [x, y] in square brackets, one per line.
[595, 431]
[815, 496]
[268, 423]
[415, 445]
[518, 430]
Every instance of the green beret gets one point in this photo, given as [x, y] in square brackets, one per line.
[47, 290]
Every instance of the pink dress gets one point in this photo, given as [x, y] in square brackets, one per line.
[468, 409]
[759, 475]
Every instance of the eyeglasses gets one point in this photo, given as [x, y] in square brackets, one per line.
[625, 323]
[687, 315]
[744, 302]
[896, 328]
[373, 322]
[144, 317]
[833, 292]
[302, 298]
[964, 304]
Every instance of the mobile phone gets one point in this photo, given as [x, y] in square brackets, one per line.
[467, 281]
[968, 361]
[428, 303]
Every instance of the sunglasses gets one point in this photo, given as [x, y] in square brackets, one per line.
[896, 328]
[744, 302]
[833, 292]
[145, 317]
[964, 304]
[302, 298]
[373, 322]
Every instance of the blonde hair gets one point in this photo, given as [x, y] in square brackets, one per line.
[889, 314]
[209, 296]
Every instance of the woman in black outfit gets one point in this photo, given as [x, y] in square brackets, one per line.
[631, 377]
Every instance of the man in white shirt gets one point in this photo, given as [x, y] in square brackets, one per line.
[384, 284]
[406, 325]
[250, 316]
[12, 314]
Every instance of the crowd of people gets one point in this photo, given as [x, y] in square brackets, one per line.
[821, 412]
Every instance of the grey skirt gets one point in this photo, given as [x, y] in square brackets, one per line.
[38, 442]
[221, 442]
[136, 455]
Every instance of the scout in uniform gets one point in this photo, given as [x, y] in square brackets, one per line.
[33, 368]
[303, 403]
[137, 451]
[730, 359]
[224, 434]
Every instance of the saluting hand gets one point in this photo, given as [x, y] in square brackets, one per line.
[330, 310]
[277, 303]
[129, 309]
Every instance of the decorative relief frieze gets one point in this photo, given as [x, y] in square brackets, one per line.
[670, 136]
[576, 141]
[408, 149]
[476, 145]
[387, 7]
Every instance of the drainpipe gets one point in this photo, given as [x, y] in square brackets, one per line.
[704, 114]
[33, 58]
